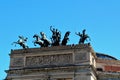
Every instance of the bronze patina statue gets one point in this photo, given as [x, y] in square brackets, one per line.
[66, 38]
[38, 40]
[53, 34]
[46, 42]
[21, 42]
[83, 37]
[56, 36]
[42, 41]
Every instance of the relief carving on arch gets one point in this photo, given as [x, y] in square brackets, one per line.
[59, 59]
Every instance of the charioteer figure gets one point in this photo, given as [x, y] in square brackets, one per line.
[53, 34]
[56, 36]
[83, 37]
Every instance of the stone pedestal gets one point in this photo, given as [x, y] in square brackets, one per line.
[75, 62]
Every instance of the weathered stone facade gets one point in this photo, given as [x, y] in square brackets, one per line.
[72, 62]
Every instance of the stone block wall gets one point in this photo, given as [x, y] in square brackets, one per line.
[55, 63]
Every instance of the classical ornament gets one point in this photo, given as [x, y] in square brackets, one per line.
[60, 59]
[82, 36]
[56, 36]
[38, 40]
[42, 41]
[66, 38]
[22, 42]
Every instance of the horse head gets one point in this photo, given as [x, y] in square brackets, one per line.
[35, 36]
[65, 39]
[67, 33]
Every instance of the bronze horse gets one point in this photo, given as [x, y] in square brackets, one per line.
[65, 39]
[38, 41]
[21, 42]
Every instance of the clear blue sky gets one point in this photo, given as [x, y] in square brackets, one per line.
[101, 19]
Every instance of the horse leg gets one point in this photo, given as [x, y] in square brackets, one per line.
[34, 43]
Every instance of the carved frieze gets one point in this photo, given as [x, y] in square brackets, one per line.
[58, 59]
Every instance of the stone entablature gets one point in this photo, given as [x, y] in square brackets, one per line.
[74, 71]
[53, 48]
[72, 62]
[59, 55]
[53, 69]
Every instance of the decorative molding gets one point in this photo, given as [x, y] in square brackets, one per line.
[53, 48]
[111, 62]
[46, 70]
[109, 75]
